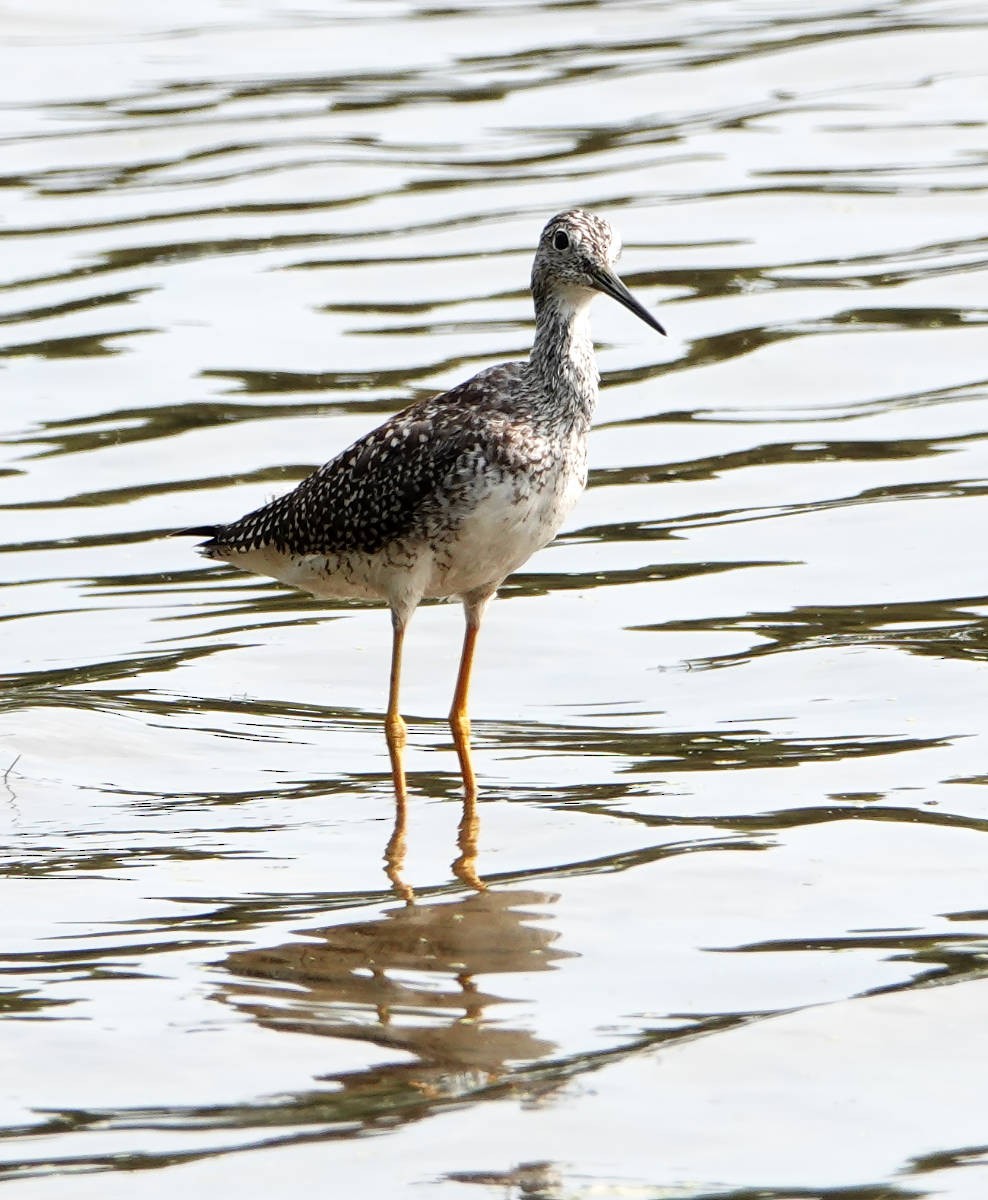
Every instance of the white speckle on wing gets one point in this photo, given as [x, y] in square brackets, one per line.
[454, 493]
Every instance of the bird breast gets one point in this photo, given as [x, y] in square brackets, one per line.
[509, 520]
[473, 535]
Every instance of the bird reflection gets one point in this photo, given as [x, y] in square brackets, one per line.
[409, 980]
[397, 847]
[464, 866]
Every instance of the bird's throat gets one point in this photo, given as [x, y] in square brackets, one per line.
[563, 353]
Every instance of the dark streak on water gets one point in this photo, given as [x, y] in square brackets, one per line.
[234, 238]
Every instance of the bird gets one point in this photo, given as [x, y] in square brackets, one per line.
[452, 494]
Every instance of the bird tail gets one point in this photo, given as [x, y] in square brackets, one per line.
[205, 531]
[211, 547]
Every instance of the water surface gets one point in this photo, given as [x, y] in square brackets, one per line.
[719, 926]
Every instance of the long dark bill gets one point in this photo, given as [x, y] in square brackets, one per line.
[608, 283]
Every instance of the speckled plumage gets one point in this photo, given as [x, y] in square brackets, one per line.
[453, 493]
[409, 477]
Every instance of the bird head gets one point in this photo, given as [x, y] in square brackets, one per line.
[575, 260]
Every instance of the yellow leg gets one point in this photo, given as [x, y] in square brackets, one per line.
[459, 720]
[394, 726]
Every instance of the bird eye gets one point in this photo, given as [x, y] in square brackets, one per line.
[561, 239]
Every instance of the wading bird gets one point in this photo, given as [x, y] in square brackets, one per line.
[452, 494]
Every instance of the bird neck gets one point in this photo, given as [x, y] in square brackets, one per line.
[562, 355]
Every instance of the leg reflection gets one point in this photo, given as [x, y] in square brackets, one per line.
[464, 866]
[394, 853]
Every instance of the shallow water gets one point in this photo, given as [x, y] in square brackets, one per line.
[720, 927]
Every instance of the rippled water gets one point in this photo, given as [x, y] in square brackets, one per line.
[729, 728]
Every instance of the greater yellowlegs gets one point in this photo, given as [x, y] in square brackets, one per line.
[452, 494]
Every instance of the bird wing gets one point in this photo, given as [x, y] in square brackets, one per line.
[376, 490]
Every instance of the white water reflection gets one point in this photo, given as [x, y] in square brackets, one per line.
[729, 729]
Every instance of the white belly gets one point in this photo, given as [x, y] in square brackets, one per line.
[500, 535]
[503, 530]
